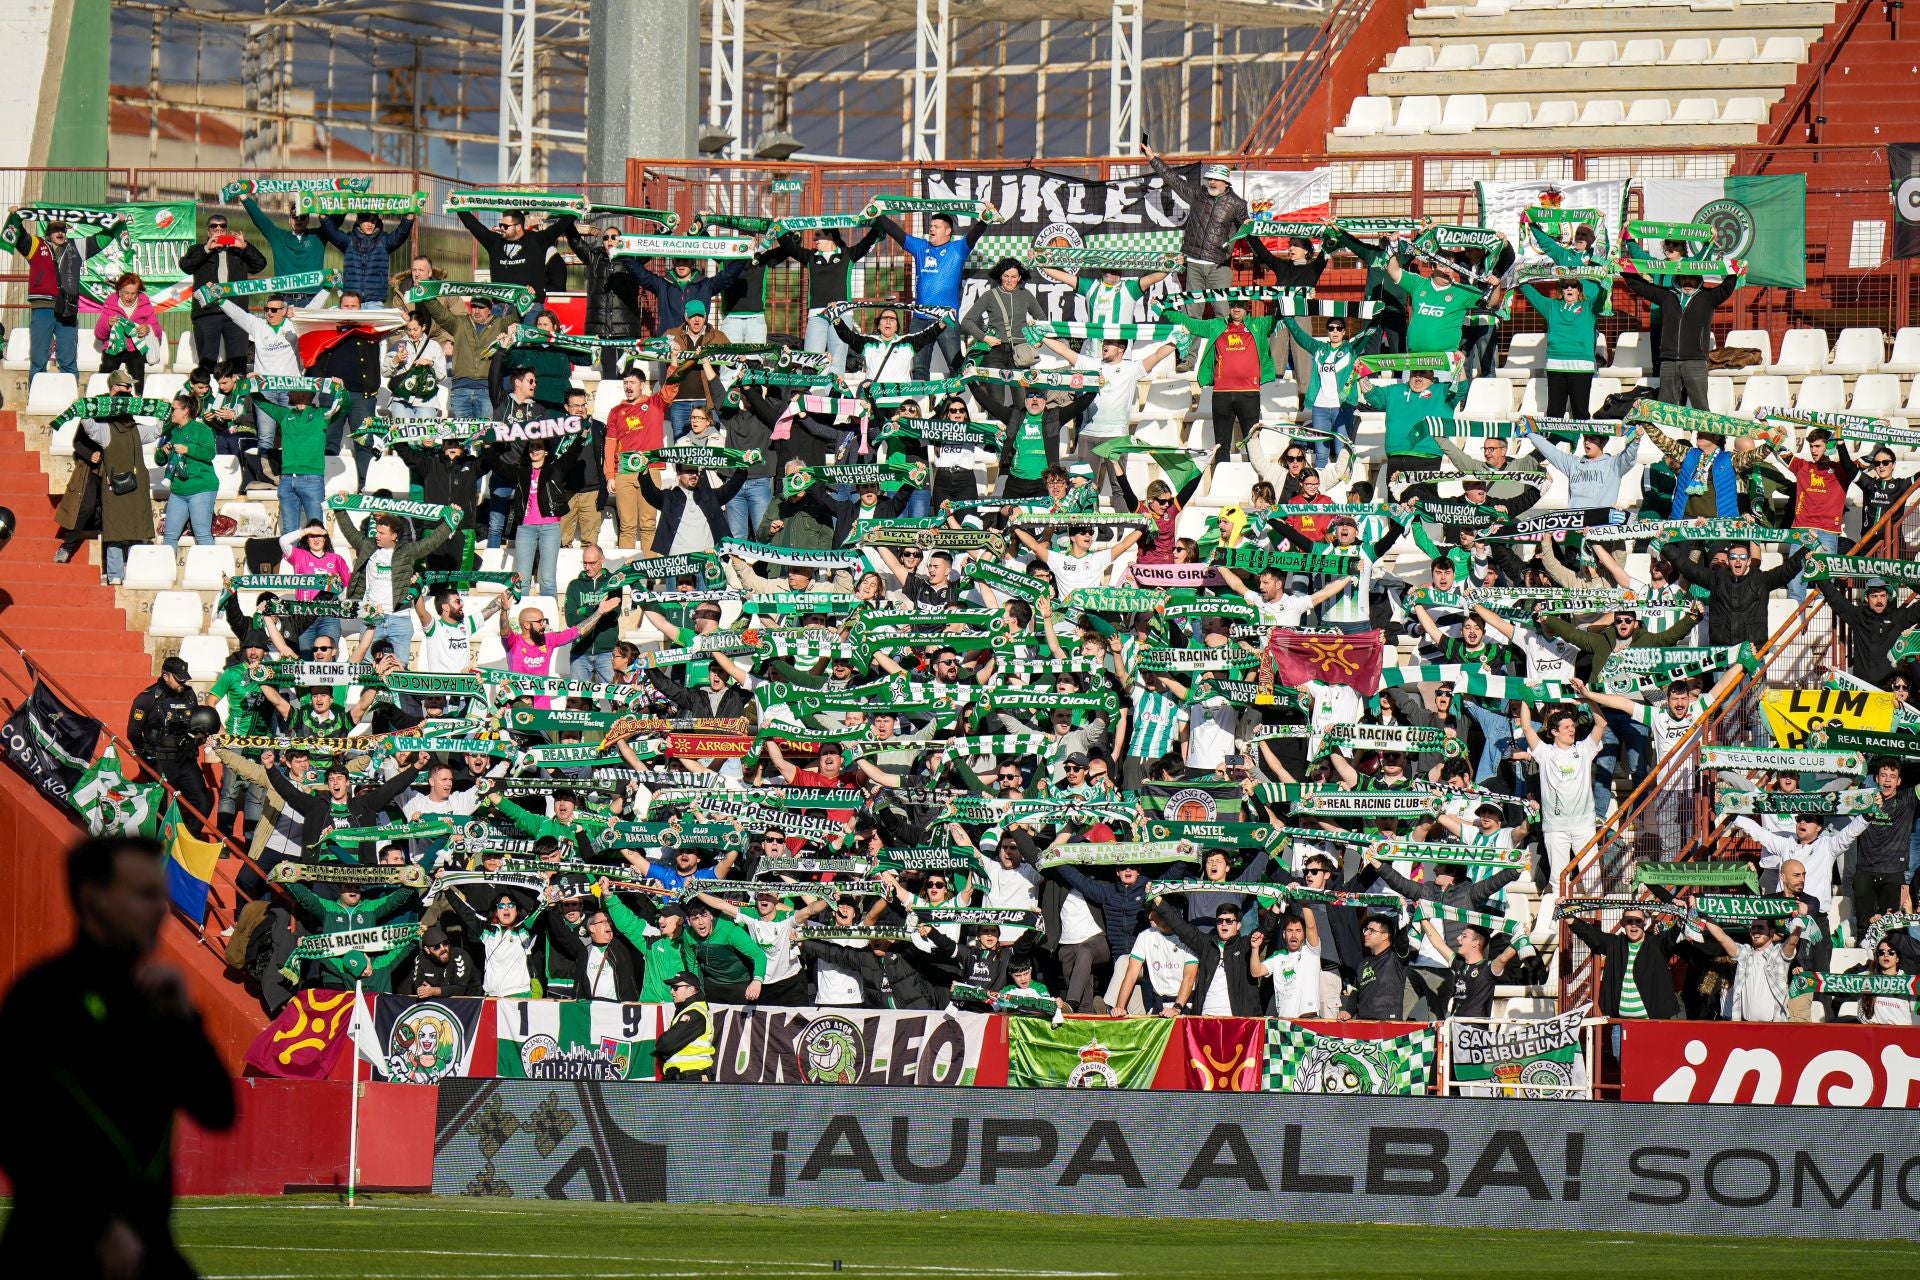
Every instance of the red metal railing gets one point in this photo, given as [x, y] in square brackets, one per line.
[1813, 79]
[1328, 76]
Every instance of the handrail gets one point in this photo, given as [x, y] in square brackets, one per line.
[1683, 758]
[1817, 82]
[126, 754]
[1305, 75]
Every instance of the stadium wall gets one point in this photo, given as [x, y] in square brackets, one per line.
[292, 1135]
[1694, 1170]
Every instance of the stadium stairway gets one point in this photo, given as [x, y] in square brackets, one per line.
[74, 630]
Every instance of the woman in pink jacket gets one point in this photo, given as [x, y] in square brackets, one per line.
[310, 550]
[126, 320]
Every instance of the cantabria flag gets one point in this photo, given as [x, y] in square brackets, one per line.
[1762, 221]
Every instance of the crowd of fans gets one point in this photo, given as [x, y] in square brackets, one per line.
[939, 701]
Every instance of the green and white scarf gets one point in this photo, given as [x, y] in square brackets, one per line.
[345, 873]
[1860, 800]
[1898, 985]
[1368, 804]
[1823, 567]
[1441, 852]
[1119, 854]
[430, 512]
[1697, 874]
[980, 209]
[1736, 529]
[1674, 417]
[327, 946]
[719, 248]
[1099, 258]
[791, 557]
[341, 203]
[518, 296]
[1264, 228]
[100, 408]
[694, 456]
[297, 282]
[284, 186]
[1424, 911]
[1776, 761]
[482, 199]
[1085, 331]
[666, 219]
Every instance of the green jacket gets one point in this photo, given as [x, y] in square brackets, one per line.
[581, 604]
[552, 369]
[355, 966]
[303, 433]
[728, 954]
[1599, 645]
[470, 358]
[192, 472]
[578, 832]
[292, 254]
[1261, 327]
[1407, 432]
[1328, 360]
[406, 558]
[1569, 329]
[662, 958]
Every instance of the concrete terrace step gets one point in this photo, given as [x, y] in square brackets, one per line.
[1808, 20]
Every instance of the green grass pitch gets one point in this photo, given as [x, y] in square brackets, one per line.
[416, 1238]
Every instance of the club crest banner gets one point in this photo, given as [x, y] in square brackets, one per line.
[577, 1039]
[1086, 1053]
[410, 1041]
[1304, 1061]
[1540, 1059]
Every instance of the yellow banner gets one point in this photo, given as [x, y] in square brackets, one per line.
[1792, 714]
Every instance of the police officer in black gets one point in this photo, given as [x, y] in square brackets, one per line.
[160, 730]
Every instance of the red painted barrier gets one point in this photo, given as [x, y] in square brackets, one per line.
[293, 1135]
[1803, 1064]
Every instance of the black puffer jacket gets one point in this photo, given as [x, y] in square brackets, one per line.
[1685, 327]
[613, 295]
[1737, 607]
[1211, 220]
[1870, 635]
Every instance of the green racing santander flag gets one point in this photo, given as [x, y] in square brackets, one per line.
[1081, 1054]
[1534, 1059]
[577, 1039]
[110, 805]
[1302, 1061]
[1760, 220]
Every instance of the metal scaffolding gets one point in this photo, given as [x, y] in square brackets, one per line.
[495, 90]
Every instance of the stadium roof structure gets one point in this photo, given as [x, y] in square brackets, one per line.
[437, 84]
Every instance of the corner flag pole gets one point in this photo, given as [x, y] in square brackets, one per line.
[353, 1112]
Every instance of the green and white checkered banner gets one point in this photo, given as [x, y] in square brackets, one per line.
[1302, 1061]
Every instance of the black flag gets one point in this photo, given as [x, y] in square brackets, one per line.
[50, 743]
[1903, 158]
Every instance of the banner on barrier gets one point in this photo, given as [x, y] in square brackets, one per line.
[1537, 1059]
[578, 1039]
[1503, 1163]
[1796, 1064]
[413, 1041]
[1121, 1053]
[758, 1044]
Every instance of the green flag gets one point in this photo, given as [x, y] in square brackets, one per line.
[1299, 1061]
[1179, 465]
[1086, 1055]
[111, 805]
[1760, 220]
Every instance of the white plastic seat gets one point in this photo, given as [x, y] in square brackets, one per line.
[1416, 117]
[1604, 386]
[1858, 351]
[1764, 391]
[165, 386]
[608, 394]
[205, 656]
[1876, 394]
[1906, 353]
[19, 347]
[1456, 57]
[1744, 111]
[150, 568]
[1735, 50]
[50, 394]
[1649, 111]
[1526, 356]
[227, 470]
[1783, 49]
[1757, 339]
[1913, 399]
[1488, 398]
[1232, 484]
[186, 354]
[341, 478]
[1602, 112]
[1594, 53]
[1822, 393]
[1695, 111]
[1464, 113]
[60, 444]
[176, 613]
[207, 568]
[96, 384]
[1368, 116]
[1410, 57]
[87, 358]
[1546, 55]
[388, 473]
[1721, 397]
[1533, 397]
[1802, 351]
[1509, 115]
[1506, 55]
[1630, 354]
[1557, 114]
[1689, 51]
[1640, 53]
